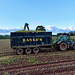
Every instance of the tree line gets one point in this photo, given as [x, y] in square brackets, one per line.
[70, 33]
[4, 36]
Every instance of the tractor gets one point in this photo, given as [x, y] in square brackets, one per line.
[63, 42]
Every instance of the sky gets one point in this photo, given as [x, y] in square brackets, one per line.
[58, 13]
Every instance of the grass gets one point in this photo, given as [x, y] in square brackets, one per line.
[53, 38]
[1, 52]
[73, 38]
[9, 61]
[31, 59]
[5, 58]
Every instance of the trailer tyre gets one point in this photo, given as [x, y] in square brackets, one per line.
[74, 46]
[63, 46]
[36, 50]
[19, 51]
[28, 51]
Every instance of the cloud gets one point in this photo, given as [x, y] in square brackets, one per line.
[7, 31]
[56, 30]
[52, 29]
[72, 28]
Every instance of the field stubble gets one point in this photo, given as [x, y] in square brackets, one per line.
[5, 45]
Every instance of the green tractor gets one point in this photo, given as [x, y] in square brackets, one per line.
[63, 42]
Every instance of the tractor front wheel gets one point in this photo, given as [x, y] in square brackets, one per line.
[74, 46]
[63, 46]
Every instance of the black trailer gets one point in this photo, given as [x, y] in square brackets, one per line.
[28, 42]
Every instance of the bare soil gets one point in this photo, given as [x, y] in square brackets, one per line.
[58, 68]
[50, 63]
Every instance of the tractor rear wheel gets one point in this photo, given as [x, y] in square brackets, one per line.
[36, 50]
[19, 51]
[28, 51]
[74, 46]
[63, 46]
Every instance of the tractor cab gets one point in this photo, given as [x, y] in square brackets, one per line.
[61, 38]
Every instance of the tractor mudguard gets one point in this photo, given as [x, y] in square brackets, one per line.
[60, 42]
[72, 44]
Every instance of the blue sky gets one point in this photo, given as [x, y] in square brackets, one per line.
[58, 13]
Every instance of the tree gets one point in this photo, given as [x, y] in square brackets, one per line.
[40, 28]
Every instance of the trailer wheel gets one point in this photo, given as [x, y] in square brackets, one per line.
[36, 50]
[63, 46]
[28, 51]
[19, 51]
[74, 46]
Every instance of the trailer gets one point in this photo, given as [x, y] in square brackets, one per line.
[28, 42]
